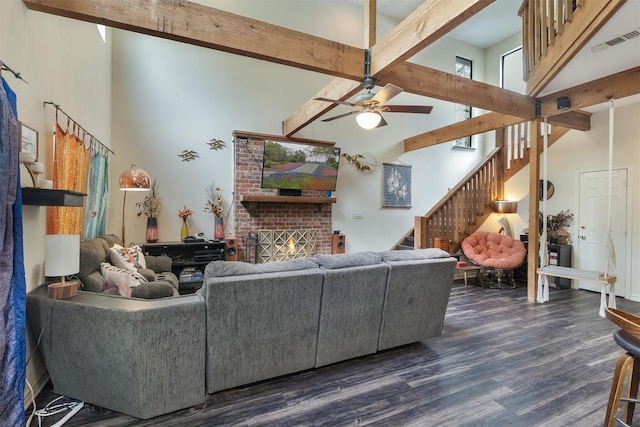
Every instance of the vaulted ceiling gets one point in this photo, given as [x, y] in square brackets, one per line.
[216, 29]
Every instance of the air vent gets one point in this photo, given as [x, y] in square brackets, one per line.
[617, 40]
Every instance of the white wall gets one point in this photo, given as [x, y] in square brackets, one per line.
[169, 97]
[65, 61]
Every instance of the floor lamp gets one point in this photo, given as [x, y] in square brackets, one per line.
[505, 207]
[133, 179]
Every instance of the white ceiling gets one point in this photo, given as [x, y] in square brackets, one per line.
[500, 20]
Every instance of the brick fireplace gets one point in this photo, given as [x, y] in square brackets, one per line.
[264, 214]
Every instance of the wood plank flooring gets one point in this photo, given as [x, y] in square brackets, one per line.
[500, 361]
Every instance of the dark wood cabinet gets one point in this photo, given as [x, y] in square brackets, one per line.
[558, 255]
[187, 257]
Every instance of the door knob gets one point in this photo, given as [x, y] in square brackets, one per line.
[583, 237]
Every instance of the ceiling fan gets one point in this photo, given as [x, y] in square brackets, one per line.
[369, 105]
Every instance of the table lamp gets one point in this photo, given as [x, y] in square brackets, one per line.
[505, 207]
[62, 258]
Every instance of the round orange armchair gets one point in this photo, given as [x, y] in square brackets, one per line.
[494, 251]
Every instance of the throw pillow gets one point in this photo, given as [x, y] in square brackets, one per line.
[113, 276]
[130, 258]
[117, 282]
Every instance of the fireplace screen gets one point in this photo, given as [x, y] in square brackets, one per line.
[280, 245]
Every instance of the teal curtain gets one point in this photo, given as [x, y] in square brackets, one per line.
[95, 214]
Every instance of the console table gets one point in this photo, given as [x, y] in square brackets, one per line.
[187, 255]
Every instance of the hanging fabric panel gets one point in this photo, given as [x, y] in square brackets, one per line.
[97, 189]
[70, 171]
[12, 278]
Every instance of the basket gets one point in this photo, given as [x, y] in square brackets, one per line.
[625, 321]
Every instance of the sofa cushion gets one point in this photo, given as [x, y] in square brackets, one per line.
[130, 258]
[239, 268]
[332, 262]
[147, 273]
[429, 253]
[153, 290]
[93, 282]
[91, 256]
[159, 263]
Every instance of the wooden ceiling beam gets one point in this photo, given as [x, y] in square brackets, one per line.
[204, 26]
[432, 83]
[473, 126]
[370, 22]
[579, 120]
[426, 24]
[432, 20]
[615, 86]
[487, 122]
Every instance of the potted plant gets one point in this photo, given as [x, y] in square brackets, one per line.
[556, 225]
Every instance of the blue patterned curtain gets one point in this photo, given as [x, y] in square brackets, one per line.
[12, 278]
[97, 189]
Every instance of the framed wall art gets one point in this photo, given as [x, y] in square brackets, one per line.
[396, 186]
[29, 140]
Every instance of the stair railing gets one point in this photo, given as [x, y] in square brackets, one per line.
[466, 206]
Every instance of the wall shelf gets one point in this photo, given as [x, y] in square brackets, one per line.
[261, 198]
[48, 197]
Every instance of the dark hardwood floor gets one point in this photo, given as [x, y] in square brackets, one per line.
[500, 361]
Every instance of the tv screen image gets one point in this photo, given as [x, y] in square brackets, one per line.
[293, 166]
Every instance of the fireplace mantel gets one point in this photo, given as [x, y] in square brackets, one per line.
[262, 198]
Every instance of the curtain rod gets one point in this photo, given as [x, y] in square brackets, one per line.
[4, 66]
[93, 138]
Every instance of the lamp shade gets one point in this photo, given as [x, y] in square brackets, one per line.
[368, 119]
[134, 179]
[505, 206]
[61, 254]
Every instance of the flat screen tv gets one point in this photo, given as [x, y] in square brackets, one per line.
[292, 167]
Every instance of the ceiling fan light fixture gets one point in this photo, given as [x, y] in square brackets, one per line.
[368, 119]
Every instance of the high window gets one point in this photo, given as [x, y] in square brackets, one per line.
[464, 68]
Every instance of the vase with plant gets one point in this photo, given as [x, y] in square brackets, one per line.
[556, 225]
[215, 205]
[150, 206]
[184, 214]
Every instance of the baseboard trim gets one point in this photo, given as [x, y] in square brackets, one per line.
[37, 388]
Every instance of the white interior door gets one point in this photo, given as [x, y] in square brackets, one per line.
[593, 229]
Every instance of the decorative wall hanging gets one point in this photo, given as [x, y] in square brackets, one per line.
[365, 163]
[188, 155]
[216, 144]
[550, 189]
[29, 141]
[396, 186]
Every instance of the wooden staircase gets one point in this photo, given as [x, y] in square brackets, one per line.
[466, 206]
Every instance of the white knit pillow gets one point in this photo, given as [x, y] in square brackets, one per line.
[130, 258]
[113, 275]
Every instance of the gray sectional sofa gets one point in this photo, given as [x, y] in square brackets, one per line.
[247, 323]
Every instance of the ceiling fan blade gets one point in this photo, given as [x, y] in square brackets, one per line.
[335, 101]
[339, 116]
[383, 122]
[421, 109]
[387, 92]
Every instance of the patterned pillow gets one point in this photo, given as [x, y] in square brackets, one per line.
[113, 276]
[130, 258]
